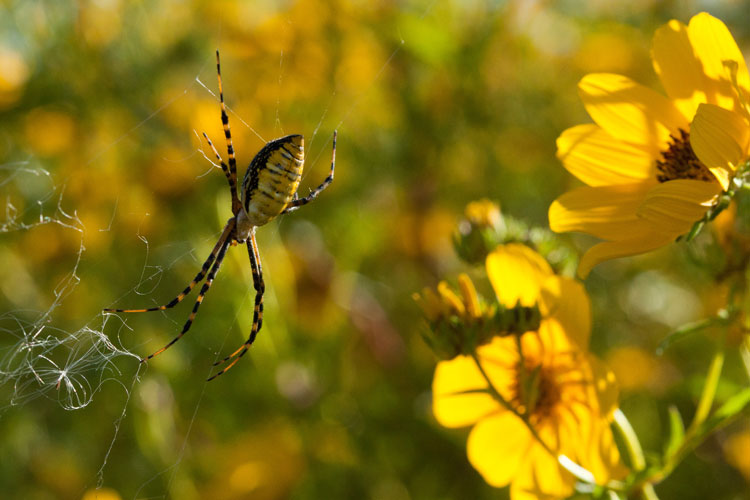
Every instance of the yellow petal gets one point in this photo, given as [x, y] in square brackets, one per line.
[597, 159]
[542, 478]
[517, 274]
[566, 302]
[497, 448]
[499, 361]
[534, 346]
[605, 385]
[547, 345]
[674, 206]
[719, 138]
[631, 112]
[600, 456]
[694, 62]
[450, 407]
[451, 302]
[429, 303]
[607, 212]
[680, 71]
[469, 295]
[641, 243]
[714, 46]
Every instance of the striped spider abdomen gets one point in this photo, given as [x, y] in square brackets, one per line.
[272, 179]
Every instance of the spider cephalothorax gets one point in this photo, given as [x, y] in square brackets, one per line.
[269, 189]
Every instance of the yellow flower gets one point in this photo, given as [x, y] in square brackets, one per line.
[483, 213]
[557, 398]
[101, 494]
[480, 231]
[650, 175]
[446, 303]
[735, 451]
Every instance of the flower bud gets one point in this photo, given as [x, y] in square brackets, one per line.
[460, 322]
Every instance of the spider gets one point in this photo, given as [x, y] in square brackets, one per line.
[269, 189]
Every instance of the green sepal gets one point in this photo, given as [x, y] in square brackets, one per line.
[454, 335]
[676, 432]
[731, 408]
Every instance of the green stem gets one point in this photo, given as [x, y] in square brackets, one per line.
[692, 438]
[495, 394]
[500, 399]
[635, 451]
[709, 392]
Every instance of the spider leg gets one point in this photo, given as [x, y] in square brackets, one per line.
[228, 134]
[199, 300]
[260, 287]
[298, 202]
[221, 160]
[198, 277]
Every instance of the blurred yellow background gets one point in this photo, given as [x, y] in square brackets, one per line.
[108, 202]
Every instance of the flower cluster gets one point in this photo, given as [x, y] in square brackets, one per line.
[656, 168]
[531, 397]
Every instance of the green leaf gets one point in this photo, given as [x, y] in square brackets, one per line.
[676, 432]
[730, 409]
[682, 332]
[427, 39]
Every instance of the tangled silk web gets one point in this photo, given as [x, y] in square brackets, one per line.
[37, 358]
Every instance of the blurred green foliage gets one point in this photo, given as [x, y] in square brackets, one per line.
[436, 103]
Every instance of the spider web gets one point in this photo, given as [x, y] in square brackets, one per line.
[39, 358]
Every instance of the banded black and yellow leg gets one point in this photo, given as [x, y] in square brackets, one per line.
[298, 202]
[228, 135]
[221, 160]
[260, 288]
[198, 301]
[198, 277]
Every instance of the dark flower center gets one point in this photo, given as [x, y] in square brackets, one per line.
[535, 393]
[549, 397]
[679, 162]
